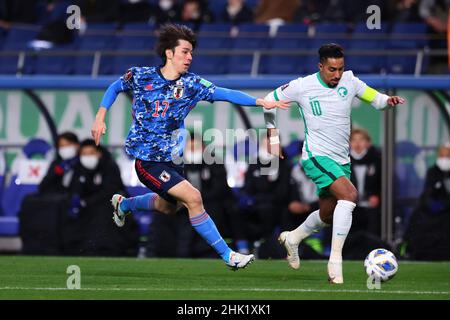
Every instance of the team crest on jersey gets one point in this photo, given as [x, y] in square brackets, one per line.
[164, 176]
[342, 91]
[178, 90]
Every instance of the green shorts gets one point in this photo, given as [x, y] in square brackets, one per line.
[324, 171]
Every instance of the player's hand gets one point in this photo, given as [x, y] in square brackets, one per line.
[273, 143]
[282, 104]
[98, 129]
[395, 100]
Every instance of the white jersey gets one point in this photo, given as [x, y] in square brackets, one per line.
[326, 113]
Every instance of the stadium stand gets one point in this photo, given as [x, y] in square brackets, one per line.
[107, 48]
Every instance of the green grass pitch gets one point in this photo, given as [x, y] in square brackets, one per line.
[25, 277]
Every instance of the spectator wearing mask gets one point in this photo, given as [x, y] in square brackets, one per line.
[236, 12]
[427, 236]
[366, 177]
[59, 175]
[96, 179]
[436, 195]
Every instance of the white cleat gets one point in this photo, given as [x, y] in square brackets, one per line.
[118, 214]
[335, 272]
[239, 260]
[291, 249]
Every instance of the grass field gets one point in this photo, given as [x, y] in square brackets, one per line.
[127, 278]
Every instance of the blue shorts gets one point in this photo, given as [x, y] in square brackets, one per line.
[160, 176]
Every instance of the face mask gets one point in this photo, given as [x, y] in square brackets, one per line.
[67, 152]
[443, 163]
[165, 4]
[358, 156]
[89, 162]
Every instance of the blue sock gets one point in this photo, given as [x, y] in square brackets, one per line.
[145, 202]
[204, 225]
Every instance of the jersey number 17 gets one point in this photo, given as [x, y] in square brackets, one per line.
[157, 107]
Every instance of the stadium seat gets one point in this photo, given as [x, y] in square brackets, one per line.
[50, 62]
[209, 64]
[9, 226]
[26, 174]
[18, 38]
[8, 64]
[406, 36]
[367, 40]
[282, 63]
[121, 63]
[241, 63]
[137, 26]
[214, 36]
[135, 42]
[329, 33]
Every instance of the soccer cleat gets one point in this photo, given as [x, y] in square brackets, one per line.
[118, 214]
[335, 272]
[291, 249]
[239, 261]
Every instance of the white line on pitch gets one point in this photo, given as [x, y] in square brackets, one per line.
[231, 290]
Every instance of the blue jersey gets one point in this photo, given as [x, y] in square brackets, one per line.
[159, 109]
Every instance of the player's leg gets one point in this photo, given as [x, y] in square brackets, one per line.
[313, 223]
[157, 178]
[147, 202]
[346, 196]
[191, 198]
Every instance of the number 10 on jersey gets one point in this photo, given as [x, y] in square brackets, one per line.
[315, 106]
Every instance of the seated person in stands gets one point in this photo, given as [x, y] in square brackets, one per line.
[96, 179]
[60, 172]
[427, 236]
[366, 177]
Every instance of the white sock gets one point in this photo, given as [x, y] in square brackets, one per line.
[312, 224]
[342, 221]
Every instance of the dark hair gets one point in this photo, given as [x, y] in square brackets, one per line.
[169, 36]
[330, 50]
[89, 143]
[69, 136]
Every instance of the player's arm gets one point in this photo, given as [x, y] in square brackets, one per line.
[241, 98]
[286, 92]
[99, 126]
[378, 100]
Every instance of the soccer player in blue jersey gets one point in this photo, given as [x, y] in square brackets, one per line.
[163, 97]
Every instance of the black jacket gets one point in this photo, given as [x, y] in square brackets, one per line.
[268, 188]
[436, 193]
[371, 163]
[59, 171]
[99, 185]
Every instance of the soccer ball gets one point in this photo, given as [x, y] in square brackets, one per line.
[381, 264]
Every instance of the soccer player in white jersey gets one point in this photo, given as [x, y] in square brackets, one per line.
[324, 100]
